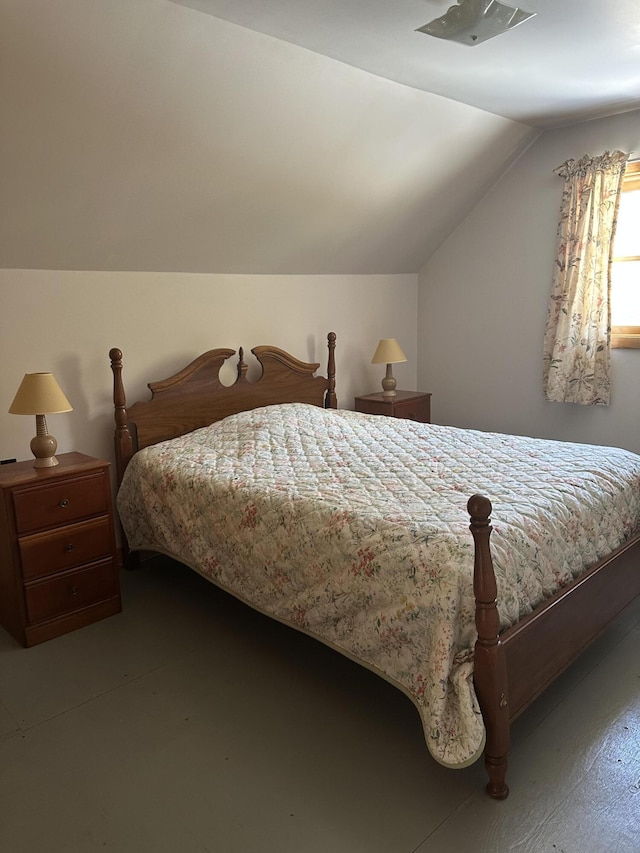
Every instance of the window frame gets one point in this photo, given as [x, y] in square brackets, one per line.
[627, 337]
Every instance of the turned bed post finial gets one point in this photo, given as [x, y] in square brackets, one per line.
[242, 366]
[331, 401]
[490, 668]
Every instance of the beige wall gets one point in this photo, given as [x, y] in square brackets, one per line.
[293, 195]
[483, 301]
[66, 322]
[143, 135]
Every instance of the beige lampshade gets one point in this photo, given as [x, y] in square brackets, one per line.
[388, 351]
[39, 394]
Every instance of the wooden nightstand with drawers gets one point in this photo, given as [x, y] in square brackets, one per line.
[413, 405]
[58, 563]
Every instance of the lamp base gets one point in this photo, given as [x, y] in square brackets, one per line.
[389, 384]
[43, 446]
[46, 462]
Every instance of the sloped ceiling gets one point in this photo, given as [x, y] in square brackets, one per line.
[145, 135]
[572, 61]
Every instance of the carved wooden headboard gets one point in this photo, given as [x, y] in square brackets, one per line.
[194, 397]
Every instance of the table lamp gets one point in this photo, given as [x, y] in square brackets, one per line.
[388, 352]
[39, 394]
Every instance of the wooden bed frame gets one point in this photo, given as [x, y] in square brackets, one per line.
[511, 668]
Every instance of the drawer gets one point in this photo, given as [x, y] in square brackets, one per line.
[70, 546]
[70, 591]
[62, 502]
[414, 410]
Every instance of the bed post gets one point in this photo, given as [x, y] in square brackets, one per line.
[490, 668]
[331, 401]
[122, 438]
[122, 441]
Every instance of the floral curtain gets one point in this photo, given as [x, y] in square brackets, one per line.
[576, 343]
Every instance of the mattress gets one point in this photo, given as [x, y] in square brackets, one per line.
[353, 528]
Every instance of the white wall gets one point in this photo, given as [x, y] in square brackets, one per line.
[66, 322]
[483, 300]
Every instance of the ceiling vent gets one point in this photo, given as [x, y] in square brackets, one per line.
[473, 21]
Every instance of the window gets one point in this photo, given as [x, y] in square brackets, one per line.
[625, 272]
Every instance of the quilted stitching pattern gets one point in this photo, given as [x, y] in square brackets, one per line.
[354, 528]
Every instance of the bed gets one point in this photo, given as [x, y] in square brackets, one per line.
[385, 570]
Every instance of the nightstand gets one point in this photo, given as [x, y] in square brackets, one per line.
[413, 405]
[58, 565]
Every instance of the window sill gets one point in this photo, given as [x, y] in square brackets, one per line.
[625, 337]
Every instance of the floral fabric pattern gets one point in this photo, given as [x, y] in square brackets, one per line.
[354, 529]
[576, 367]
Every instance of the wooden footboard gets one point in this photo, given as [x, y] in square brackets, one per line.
[540, 647]
[512, 668]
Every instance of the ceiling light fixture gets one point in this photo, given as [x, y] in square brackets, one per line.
[474, 21]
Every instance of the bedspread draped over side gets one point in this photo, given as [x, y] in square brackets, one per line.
[353, 528]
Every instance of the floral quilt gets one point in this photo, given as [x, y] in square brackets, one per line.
[354, 529]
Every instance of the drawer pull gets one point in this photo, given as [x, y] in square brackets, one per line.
[64, 502]
[74, 590]
[68, 547]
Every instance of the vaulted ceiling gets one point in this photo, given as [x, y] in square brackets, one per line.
[573, 60]
[156, 135]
